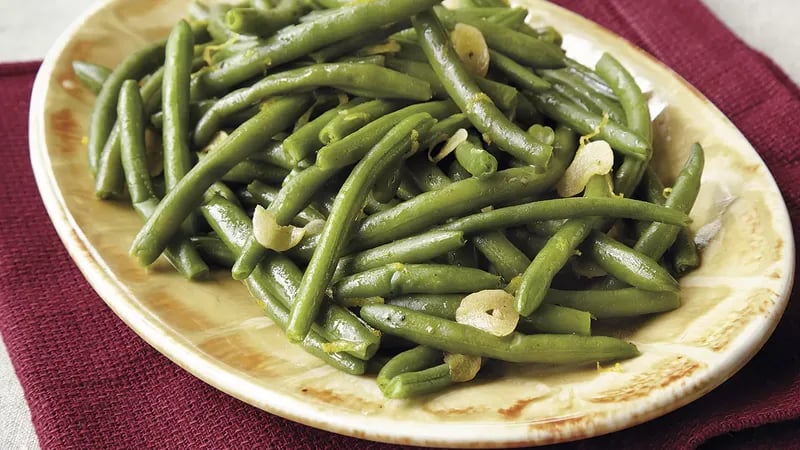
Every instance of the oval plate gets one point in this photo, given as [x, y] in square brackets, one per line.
[214, 330]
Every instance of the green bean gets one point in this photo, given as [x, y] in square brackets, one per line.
[561, 246]
[525, 49]
[598, 104]
[196, 110]
[266, 195]
[297, 191]
[175, 105]
[481, 111]
[296, 41]
[352, 148]
[526, 113]
[438, 305]
[630, 266]
[461, 197]
[657, 238]
[399, 279]
[217, 27]
[620, 138]
[520, 75]
[426, 175]
[91, 75]
[104, 110]
[354, 117]
[444, 129]
[357, 79]
[386, 185]
[422, 382]
[546, 33]
[337, 228]
[281, 277]
[372, 206]
[305, 141]
[220, 189]
[457, 172]
[257, 22]
[475, 159]
[179, 251]
[684, 254]
[417, 358]
[230, 223]
[250, 170]
[353, 43]
[501, 253]
[607, 304]
[590, 78]
[275, 116]
[504, 96]
[556, 320]
[529, 243]
[376, 60]
[416, 249]
[407, 189]
[214, 250]
[637, 116]
[454, 337]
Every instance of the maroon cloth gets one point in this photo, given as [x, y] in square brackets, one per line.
[92, 383]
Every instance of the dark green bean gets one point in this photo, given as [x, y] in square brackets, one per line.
[353, 43]
[305, 140]
[266, 195]
[214, 250]
[358, 79]
[684, 254]
[337, 228]
[482, 112]
[422, 382]
[628, 265]
[501, 253]
[91, 75]
[596, 103]
[475, 159]
[426, 175]
[276, 115]
[520, 75]
[399, 279]
[417, 358]
[297, 41]
[621, 139]
[607, 304]
[556, 320]
[257, 22]
[385, 187]
[637, 117]
[457, 172]
[445, 128]
[179, 251]
[454, 337]
[439, 305]
[352, 148]
[354, 117]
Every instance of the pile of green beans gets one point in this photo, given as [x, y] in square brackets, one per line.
[333, 116]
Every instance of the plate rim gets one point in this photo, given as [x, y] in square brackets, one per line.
[119, 300]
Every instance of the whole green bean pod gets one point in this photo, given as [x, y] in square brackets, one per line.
[337, 228]
[684, 254]
[296, 41]
[412, 360]
[421, 382]
[629, 265]
[454, 337]
[399, 279]
[276, 115]
[561, 246]
[281, 277]
[482, 112]
[416, 249]
[297, 192]
[179, 251]
[607, 304]
[620, 138]
[501, 253]
[212, 249]
[439, 305]
[91, 75]
[596, 103]
[358, 79]
[352, 148]
[637, 117]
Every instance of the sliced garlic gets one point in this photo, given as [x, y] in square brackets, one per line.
[450, 146]
[462, 367]
[594, 158]
[471, 48]
[273, 236]
[490, 310]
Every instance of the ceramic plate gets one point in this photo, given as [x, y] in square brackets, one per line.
[214, 330]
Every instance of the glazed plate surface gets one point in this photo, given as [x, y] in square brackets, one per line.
[215, 331]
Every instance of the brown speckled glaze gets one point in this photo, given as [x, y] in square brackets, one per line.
[213, 329]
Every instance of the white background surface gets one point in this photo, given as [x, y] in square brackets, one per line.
[28, 28]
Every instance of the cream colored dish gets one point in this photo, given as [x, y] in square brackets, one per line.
[213, 329]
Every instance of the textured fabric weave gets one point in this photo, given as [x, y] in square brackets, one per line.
[92, 383]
